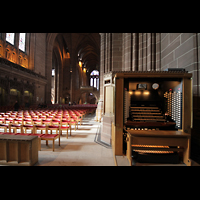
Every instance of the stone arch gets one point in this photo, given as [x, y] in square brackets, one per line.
[57, 64]
[49, 53]
[87, 91]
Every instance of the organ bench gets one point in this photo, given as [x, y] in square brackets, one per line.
[158, 142]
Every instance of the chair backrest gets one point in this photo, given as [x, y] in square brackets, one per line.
[65, 122]
[2, 120]
[57, 122]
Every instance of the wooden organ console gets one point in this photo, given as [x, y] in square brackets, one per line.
[152, 115]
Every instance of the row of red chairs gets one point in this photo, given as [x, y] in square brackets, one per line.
[47, 120]
[44, 117]
[41, 136]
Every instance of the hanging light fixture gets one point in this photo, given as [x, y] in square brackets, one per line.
[80, 63]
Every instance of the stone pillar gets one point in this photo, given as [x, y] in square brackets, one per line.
[48, 73]
[135, 52]
[158, 51]
[117, 51]
[140, 63]
[127, 51]
[102, 71]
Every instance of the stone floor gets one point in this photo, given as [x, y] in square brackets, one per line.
[82, 149]
[79, 149]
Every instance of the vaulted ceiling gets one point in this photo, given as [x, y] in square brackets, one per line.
[85, 46]
[89, 50]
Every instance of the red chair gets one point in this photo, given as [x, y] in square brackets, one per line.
[33, 134]
[18, 121]
[27, 126]
[9, 120]
[15, 127]
[64, 126]
[74, 122]
[41, 128]
[5, 127]
[28, 121]
[2, 120]
[52, 137]
[78, 118]
[37, 121]
[47, 121]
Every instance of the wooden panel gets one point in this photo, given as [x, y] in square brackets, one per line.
[129, 149]
[24, 152]
[113, 139]
[109, 100]
[119, 116]
[12, 151]
[159, 133]
[106, 129]
[152, 74]
[17, 137]
[187, 105]
[34, 152]
[18, 150]
[2, 150]
[160, 141]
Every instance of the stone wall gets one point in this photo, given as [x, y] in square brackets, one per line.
[25, 70]
[153, 51]
[181, 50]
[40, 53]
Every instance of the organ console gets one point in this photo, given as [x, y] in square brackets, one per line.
[152, 115]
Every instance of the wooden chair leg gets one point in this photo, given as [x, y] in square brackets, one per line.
[53, 144]
[9, 127]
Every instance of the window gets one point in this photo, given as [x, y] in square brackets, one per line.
[94, 73]
[10, 37]
[94, 79]
[91, 81]
[22, 40]
[95, 82]
[53, 72]
[98, 84]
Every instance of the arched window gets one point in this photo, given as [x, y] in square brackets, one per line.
[10, 37]
[22, 40]
[94, 79]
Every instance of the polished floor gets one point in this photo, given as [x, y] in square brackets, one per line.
[79, 149]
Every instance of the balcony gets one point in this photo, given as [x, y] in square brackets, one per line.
[88, 89]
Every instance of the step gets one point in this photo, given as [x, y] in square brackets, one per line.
[155, 117]
[144, 108]
[144, 113]
[156, 120]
